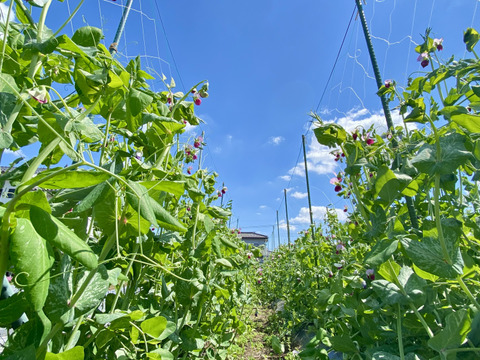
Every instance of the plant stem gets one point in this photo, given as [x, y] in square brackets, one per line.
[74, 12]
[4, 40]
[467, 292]
[399, 333]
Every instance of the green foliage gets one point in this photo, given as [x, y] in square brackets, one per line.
[120, 253]
[403, 271]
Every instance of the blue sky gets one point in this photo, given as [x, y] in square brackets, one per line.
[267, 63]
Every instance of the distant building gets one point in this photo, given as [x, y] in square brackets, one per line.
[254, 239]
[7, 191]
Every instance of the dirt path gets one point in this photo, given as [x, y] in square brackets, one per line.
[255, 344]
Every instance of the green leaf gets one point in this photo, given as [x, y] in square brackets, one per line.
[330, 135]
[96, 195]
[12, 308]
[95, 291]
[154, 326]
[34, 276]
[424, 275]
[37, 198]
[277, 345]
[60, 236]
[59, 293]
[470, 38]
[176, 188]
[102, 319]
[164, 218]
[389, 185]
[69, 180]
[381, 252]
[6, 140]
[76, 353]
[137, 101]
[225, 263]
[160, 354]
[413, 285]
[428, 256]
[28, 353]
[452, 336]
[138, 198]
[8, 84]
[453, 155]
[389, 270]
[469, 122]
[87, 36]
[388, 292]
[343, 343]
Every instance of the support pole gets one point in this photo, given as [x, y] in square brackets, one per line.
[278, 231]
[121, 27]
[373, 59]
[388, 116]
[308, 185]
[286, 213]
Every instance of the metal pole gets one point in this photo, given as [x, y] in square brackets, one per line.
[278, 231]
[286, 213]
[376, 70]
[121, 27]
[308, 185]
[388, 116]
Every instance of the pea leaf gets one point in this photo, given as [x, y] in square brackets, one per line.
[160, 354]
[12, 308]
[138, 198]
[457, 326]
[277, 345]
[453, 154]
[8, 84]
[381, 252]
[467, 121]
[88, 36]
[69, 180]
[95, 291]
[76, 353]
[470, 38]
[330, 135]
[154, 326]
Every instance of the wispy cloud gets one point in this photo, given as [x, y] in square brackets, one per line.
[299, 195]
[263, 207]
[318, 212]
[319, 158]
[276, 140]
[4, 12]
[18, 153]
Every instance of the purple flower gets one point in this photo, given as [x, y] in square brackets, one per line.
[370, 141]
[189, 170]
[340, 247]
[438, 44]
[388, 83]
[370, 274]
[138, 155]
[338, 188]
[198, 142]
[423, 57]
[40, 95]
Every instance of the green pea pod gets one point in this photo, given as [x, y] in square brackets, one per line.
[61, 237]
[29, 255]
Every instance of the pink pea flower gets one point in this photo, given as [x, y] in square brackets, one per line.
[340, 247]
[198, 142]
[423, 57]
[338, 188]
[388, 83]
[438, 43]
[189, 170]
[224, 190]
[335, 181]
[370, 141]
[40, 95]
[370, 274]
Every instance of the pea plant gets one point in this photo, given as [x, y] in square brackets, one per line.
[399, 279]
[116, 243]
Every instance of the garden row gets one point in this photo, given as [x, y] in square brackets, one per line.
[399, 279]
[116, 244]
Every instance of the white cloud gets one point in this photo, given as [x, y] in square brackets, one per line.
[299, 195]
[276, 140]
[4, 12]
[283, 225]
[319, 158]
[303, 217]
[263, 207]
[18, 153]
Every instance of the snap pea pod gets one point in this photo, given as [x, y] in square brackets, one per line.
[61, 237]
[29, 255]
